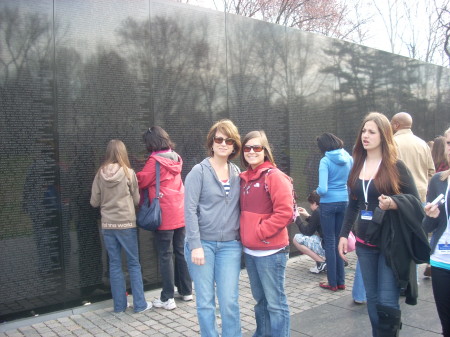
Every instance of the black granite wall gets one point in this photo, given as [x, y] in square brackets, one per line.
[75, 74]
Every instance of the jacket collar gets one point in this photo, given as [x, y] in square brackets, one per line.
[403, 132]
[253, 174]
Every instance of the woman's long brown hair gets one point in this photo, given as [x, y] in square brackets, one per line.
[387, 180]
[116, 152]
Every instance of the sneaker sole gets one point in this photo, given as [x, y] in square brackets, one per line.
[171, 308]
[165, 308]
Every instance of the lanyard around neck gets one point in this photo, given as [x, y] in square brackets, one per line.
[366, 189]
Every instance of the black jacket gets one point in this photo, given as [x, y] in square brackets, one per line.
[404, 242]
[312, 224]
[436, 225]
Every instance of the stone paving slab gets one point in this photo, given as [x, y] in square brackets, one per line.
[310, 308]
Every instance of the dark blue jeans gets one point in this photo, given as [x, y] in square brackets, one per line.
[170, 243]
[331, 219]
[379, 281]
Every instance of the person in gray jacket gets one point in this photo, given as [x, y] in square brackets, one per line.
[213, 249]
[115, 190]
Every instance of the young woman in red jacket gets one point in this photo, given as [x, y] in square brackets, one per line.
[266, 210]
[169, 238]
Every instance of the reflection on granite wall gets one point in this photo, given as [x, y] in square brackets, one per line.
[74, 75]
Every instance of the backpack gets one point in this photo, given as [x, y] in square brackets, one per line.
[295, 213]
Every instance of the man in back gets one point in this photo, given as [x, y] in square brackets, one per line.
[413, 151]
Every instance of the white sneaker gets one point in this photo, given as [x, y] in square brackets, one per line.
[149, 306]
[314, 270]
[168, 305]
[187, 298]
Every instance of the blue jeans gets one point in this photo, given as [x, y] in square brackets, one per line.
[169, 243]
[331, 219]
[267, 275]
[115, 240]
[222, 268]
[358, 291]
[380, 283]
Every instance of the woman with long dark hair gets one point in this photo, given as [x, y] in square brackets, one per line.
[385, 203]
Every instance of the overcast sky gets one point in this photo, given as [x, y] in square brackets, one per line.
[378, 37]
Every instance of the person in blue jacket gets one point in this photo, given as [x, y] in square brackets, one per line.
[334, 169]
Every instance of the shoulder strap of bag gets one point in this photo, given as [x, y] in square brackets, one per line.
[157, 180]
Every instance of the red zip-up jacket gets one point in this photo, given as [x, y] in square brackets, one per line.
[266, 207]
[171, 187]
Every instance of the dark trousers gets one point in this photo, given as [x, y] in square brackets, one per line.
[170, 243]
[440, 279]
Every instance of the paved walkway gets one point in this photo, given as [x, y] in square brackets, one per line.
[314, 312]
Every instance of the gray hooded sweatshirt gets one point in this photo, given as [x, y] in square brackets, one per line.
[117, 196]
[209, 213]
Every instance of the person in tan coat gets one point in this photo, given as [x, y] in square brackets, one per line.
[413, 151]
[115, 190]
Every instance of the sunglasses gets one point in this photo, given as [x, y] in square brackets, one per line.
[256, 148]
[228, 141]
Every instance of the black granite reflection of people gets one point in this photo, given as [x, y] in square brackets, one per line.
[41, 203]
[90, 265]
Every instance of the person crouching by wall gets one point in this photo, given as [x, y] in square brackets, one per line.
[307, 241]
[169, 238]
[115, 191]
[266, 211]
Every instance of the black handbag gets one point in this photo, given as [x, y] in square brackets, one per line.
[149, 214]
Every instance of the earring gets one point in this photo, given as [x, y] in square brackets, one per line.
[233, 151]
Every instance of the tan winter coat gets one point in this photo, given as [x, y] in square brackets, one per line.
[117, 196]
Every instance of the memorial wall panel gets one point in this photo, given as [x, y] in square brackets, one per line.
[256, 69]
[102, 94]
[30, 248]
[188, 75]
[311, 104]
[74, 75]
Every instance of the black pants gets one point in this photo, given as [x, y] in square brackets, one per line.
[168, 244]
[441, 280]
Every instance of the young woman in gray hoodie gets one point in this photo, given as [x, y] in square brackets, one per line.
[213, 249]
[115, 191]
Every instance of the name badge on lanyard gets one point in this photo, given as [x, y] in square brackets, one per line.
[444, 248]
[366, 215]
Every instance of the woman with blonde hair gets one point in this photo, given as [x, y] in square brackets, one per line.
[115, 191]
[385, 203]
[213, 249]
[437, 222]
